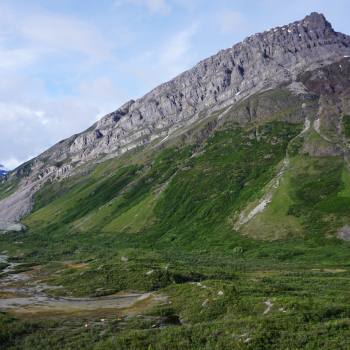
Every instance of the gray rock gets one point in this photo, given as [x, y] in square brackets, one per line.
[11, 227]
[344, 233]
[261, 62]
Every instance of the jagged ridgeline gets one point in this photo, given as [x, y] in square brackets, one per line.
[241, 142]
[277, 175]
[223, 195]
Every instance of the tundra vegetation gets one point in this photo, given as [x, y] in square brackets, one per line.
[235, 227]
[163, 221]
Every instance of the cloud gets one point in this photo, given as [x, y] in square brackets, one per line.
[154, 6]
[28, 129]
[173, 54]
[59, 33]
[230, 22]
[9, 113]
[27, 36]
[16, 58]
[12, 163]
[101, 92]
[33, 44]
[165, 61]
[30, 124]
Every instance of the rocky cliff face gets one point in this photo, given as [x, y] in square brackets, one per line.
[262, 61]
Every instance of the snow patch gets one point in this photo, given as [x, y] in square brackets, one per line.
[317, 125]
[268, 307]
[165, 138]
[205, 302]
[307, 125]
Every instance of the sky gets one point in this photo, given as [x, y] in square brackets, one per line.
[66, 63]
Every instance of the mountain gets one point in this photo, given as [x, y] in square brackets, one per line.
[261, 62]
[222, 195]
[3, 171]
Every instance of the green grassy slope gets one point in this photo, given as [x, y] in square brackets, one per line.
[172, 210]
[183, 196]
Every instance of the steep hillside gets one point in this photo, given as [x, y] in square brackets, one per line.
[268, 167]
[232, 207]
[261, 62]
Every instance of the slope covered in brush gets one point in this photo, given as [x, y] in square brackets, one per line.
[239, 218]
[164, 218]
[262, 61]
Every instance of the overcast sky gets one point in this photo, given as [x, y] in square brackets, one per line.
[66, 63]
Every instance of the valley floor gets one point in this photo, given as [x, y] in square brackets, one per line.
[263, 297]
[144, 251]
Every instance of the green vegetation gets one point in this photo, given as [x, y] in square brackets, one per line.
[164, 223]
[346, 126]
[135, 219]
[7, 187]
[275, 222]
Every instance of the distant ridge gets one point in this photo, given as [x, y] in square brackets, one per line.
[3, 171]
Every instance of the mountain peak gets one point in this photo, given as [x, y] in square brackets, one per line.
[261, 62]
[316, 20]
[313, 26]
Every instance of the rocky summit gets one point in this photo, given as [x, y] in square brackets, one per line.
[261, 62]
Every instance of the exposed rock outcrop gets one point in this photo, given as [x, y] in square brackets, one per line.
[11, 227]
[262, 61]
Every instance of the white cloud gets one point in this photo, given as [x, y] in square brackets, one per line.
[16, 58]
[230, 22]
[42, 32]
[60, 33]
[28, 129]
[39, 106]
[32, 118]
[177, 47]
[166, 61]
[31, 121]
[9, 113]
[157, 6]
[101, 92]
[154, 6]
[12, 163]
